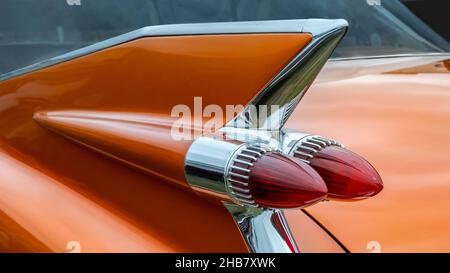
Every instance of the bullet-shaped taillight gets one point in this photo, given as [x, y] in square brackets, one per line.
[252, 175]
[274, 180]
[346, 174]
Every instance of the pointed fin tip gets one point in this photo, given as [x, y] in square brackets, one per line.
[318, 27]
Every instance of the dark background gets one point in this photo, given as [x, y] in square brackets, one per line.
[435, 13]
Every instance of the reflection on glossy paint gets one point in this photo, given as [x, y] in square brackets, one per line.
[142, 141]
[148, 75]
[399, 122]
[53, 214]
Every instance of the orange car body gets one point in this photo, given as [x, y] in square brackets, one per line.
[123, 188]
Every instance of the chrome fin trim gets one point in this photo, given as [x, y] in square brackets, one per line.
[271, 108]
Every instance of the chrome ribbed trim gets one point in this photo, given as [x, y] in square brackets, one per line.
[310, 145]
[238, 174]
[290, 107]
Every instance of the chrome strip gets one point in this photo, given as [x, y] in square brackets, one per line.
[313, 26]
[264, 231]
[410, 55]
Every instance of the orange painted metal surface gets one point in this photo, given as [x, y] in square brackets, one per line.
[399, 121]
[309, 236]
[144, 77]
[139, 140]
[56, 217]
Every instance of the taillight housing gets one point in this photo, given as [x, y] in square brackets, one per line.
[259, 177]
[347, 175]
[252, 175]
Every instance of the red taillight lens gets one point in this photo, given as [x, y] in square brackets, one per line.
[346, 174]
[278, 181]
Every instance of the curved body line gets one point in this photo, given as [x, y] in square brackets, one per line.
[251, 27]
